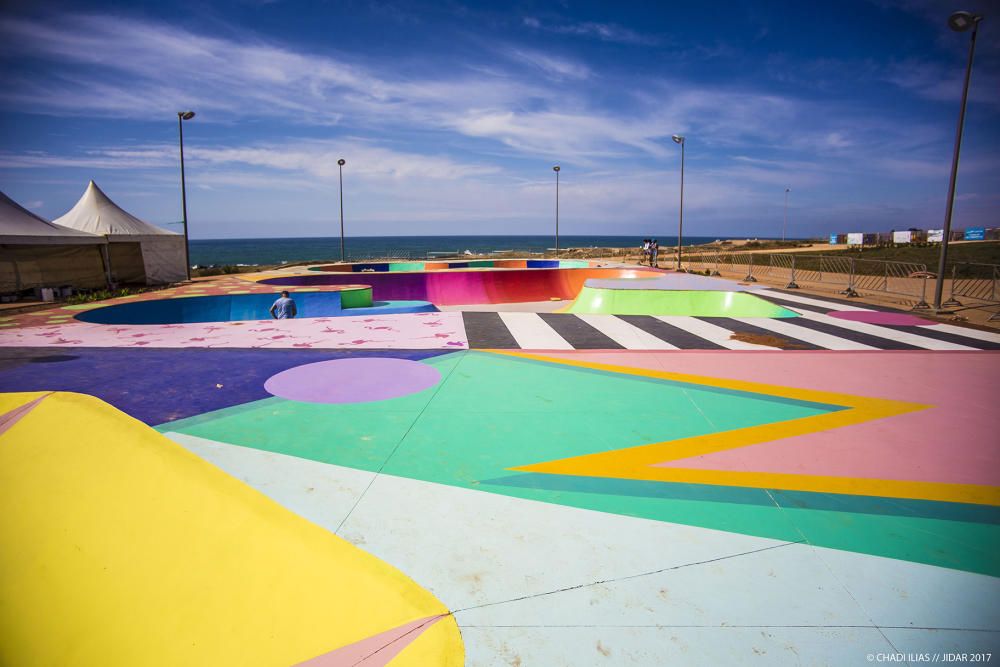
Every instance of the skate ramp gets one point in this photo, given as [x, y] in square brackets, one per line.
[126, 549]
[686, 302]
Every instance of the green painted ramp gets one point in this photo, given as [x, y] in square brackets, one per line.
[693, 303]
[406, 266]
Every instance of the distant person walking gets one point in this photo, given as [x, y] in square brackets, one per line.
[645, 251]
[654, 251]
[284, 308]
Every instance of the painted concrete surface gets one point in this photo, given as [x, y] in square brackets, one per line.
[876, 317]
[248, 307]
[174, 383]
[448, 265]
[415, 331]
[901, 447]
[527, 330]
[588, 449]
[227, 564]
[674, 281]
[467, 286]
[661, 301]
[353, 380]
[824, 605]
[609, 499]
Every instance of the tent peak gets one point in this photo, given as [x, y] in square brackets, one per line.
[97, 213]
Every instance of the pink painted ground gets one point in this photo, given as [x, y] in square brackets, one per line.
[411, 331]
[375, 651]
[954, 441]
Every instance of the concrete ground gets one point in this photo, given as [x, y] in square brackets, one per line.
[560, 489]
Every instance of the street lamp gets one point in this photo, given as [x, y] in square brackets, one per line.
[181, 117]
[784, 225]
[678, 139]
[557, 169]
[340, 164]
[959, 22]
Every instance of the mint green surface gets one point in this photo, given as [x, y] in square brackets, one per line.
[406, 266]
[692, 303]
[573, 264]
[492, 412]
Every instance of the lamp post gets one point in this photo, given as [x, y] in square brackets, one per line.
[340, 164]
[959, 22]
[557, 169]
[181, 117]
[784, 225]
[678, 139]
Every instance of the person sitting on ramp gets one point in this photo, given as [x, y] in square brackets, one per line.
[284, 308]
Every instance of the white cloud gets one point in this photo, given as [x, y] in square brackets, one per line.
[129, 68]
[442, 136]
[606, 32]
[553, 66]
[121, 67]
[934, 81]
[313, 159]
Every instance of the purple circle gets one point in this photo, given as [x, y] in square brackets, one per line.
[881, 317]
[352, 380]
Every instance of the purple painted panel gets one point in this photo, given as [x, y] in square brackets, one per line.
[353, 380]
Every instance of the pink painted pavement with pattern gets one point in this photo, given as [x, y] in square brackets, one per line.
[954, 441]
[409, 331]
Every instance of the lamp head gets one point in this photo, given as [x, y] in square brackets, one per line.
[341, 162]
[788, 189]
[962, 21]
[185, 115]
[678, 139]
[556, 168]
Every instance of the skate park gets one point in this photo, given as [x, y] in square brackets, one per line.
[557, 465]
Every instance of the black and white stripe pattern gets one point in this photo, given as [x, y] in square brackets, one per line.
[813, 330]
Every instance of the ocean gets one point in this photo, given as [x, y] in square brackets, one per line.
[219, 252]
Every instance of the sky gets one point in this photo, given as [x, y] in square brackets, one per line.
[451, 115]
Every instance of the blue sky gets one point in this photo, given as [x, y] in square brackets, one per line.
[450, 115]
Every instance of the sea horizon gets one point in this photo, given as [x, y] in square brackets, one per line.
[284, 250]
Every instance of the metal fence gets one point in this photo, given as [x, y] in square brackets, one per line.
[790, 269]
[975, 282]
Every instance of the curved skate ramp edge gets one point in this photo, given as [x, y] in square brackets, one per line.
[380, 267]
[692, 303]
[127, 549]
[675, 281]
[454, 288]
[347, 300]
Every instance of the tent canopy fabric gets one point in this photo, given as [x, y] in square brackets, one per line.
[19, 226]
[37, 253]
[96, 213]
[162, 252]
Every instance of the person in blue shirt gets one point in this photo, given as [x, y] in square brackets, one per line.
[284, 308]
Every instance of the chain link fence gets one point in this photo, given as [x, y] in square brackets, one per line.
[908, 279]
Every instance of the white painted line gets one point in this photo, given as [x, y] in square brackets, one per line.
[968, 333]
[711, 332]
[812, 302]
[884, 332]
[627, 335]
[786, 328]
[532, 333]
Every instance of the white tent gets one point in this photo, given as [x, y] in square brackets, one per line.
[140, 252]
[37, 253]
